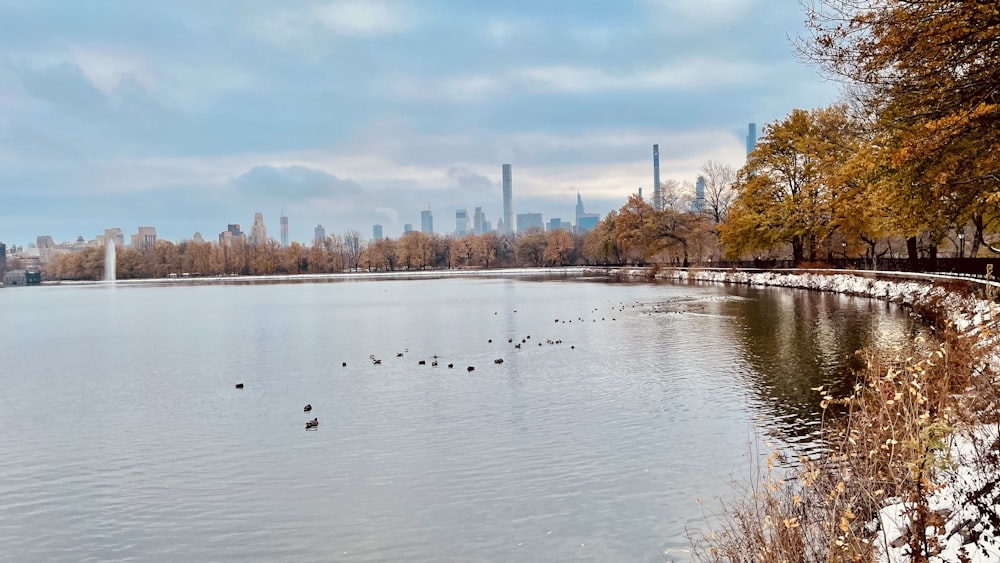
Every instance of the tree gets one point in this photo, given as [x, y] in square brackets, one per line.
[601, 244]
[530, 249]
[926, 72]
[785, 189]
[486, 247]
[351, 249]
[719, 189]
[558, 247]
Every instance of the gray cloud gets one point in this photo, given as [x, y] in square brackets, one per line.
[294, 184]
[469, 181]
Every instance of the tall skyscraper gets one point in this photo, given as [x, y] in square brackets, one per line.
[587, 221]
[699, 195]
[407, 228]
[426, 222]
[284, 230]
[508, 201]
[751, 137]
[479, 221]
[319, 235]
[657, 195]
[258, 232]
[377, 232]
[579, 208]
[461, 222]
[3, 258]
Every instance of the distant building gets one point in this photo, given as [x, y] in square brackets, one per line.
[587, 222]
[231, 234]
[197, 238]
[554, 224]
[640, 192]
[487, 226]
[377, 232]
[22, 277]
[284, 230]
[508, 201]
[427, 222]
[44, 241]
[479, 221]
[319, 235]
[751, 137]
[3, 258]
[461, 222]
[698, 205]
[407, 228]
[258, 232]
[144, 239]
[527, 221]
[116, 235]
[657, 194]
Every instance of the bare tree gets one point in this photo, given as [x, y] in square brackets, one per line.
[719, 192]
[352, 249]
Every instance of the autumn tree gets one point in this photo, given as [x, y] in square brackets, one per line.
[559, 247]
[486, 247]
[927, 74]
[784, 192]
[601, 244]
[530, 249]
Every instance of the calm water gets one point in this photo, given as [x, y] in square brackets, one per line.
[122, 436]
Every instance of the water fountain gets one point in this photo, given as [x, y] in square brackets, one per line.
[109, 261]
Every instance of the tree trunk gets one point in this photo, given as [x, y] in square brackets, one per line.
[911, 253]
[797, 250]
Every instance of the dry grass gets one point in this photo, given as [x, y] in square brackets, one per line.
[889, 445]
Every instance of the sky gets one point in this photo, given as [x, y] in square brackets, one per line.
[190, 115]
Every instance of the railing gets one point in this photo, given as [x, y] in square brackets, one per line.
[966, 267]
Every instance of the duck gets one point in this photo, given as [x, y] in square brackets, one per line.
[471, 368]
[434, 364]
[312, 423]
[307, 408]
[239, 386]
[451, 366]
[343, 364]
[498, 361]
[422, 362]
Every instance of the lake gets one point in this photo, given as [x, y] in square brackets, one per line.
[123, 437]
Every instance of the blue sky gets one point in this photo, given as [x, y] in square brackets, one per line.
[188, 115]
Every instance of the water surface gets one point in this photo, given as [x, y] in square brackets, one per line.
[123, 437]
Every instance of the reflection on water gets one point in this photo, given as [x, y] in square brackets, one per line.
[796, 341]
[123, 436]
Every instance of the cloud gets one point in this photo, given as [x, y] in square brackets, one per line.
[295, 184]
[469, 181]
[364, 17]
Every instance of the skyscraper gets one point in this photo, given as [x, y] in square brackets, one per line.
[407, 228]
[699, 195]
[284, 230]
[508, 203]
[478, 221]
[258, 232]
[751, 137]
[461, 222]
[579, 208]
[377, 232]
[657, 195]
[3, 258]
[426, 222]
[319, 235]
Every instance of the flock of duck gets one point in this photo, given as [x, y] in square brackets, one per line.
[314, 423]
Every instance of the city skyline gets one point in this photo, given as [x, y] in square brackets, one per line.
[187, 118]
